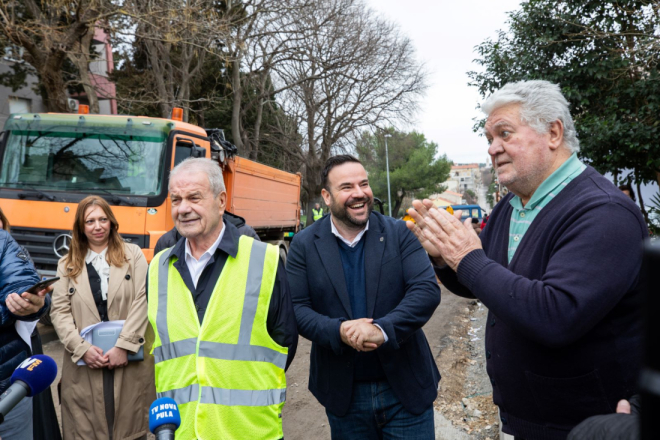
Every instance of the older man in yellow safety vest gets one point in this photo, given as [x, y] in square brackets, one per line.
[224, 325]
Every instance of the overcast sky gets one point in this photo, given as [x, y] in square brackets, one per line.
[445, 34]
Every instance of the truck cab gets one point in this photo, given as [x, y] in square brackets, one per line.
[50, 162]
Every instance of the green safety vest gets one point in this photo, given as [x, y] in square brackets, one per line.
[317, 214]
[227, 374]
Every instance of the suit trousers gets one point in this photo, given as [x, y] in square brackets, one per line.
[375, 413]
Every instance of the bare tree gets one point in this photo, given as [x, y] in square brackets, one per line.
[176, 37]
[351, 70]
[80, 56]
[260, 37]
[50, 32]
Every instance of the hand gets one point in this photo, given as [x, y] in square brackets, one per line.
[94, 358]
[421, 208]
[117, 357]
[346, 325]
[351, 327]
[623, 407]
[27, 303]
[365, 336]
[443, 235]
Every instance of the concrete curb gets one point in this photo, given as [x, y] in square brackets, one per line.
[444, 430]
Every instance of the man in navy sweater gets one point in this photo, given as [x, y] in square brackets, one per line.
[557, 265]
[362, 288]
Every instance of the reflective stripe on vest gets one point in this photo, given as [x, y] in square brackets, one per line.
[219, 351]
[182, 395]
[221, 396]
[175, 349]
[228, 368]
[317, 214]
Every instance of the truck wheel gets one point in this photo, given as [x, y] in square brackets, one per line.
[283, 255]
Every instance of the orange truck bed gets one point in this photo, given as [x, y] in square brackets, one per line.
[266, 197]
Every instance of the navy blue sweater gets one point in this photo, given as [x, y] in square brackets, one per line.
[563, 340]
[367, 366]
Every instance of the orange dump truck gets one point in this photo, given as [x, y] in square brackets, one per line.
[50, 162]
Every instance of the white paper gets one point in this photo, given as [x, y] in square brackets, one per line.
[86, 333]
[25, 329]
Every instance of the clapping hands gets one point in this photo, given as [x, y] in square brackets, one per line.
[441, 234]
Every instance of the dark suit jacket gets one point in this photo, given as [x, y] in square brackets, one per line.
[402, 294]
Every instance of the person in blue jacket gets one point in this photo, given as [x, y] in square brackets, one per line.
[16, 275]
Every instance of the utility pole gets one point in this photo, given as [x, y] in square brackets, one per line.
[387, 164]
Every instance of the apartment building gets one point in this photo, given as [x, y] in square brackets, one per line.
[27, 100]
[464, 177]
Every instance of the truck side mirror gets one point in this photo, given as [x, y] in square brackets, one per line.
[196, 151]
[182, 152]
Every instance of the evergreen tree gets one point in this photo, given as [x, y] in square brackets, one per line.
[603, 54]
[415, 168]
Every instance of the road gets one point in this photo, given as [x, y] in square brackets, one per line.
[304, 418]
[481, 197]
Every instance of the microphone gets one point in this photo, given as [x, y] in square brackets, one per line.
[164, 418]
[34, 375]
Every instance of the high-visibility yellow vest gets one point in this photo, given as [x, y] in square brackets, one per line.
[227, 374]
[317, 213]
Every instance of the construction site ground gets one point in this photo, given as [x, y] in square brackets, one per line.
[463, 409]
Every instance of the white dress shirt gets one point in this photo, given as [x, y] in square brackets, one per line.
[357, 238]
[195, 266]
[102, 267]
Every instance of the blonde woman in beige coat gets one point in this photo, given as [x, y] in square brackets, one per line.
[108, 397]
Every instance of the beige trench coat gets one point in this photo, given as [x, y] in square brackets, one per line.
[73, 309]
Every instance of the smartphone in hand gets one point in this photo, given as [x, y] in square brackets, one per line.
[42, 285]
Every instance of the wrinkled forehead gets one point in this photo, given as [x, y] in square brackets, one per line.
[189, 181]
[508, 115]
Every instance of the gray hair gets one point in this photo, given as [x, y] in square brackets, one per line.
[199, 164]
[541, 103]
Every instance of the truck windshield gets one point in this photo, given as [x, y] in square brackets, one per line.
[84, 162]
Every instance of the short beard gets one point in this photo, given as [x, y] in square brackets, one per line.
[341, 213]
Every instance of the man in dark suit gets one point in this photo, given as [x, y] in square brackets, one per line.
[362, 288]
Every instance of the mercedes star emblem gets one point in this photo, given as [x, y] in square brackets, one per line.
[62, 244]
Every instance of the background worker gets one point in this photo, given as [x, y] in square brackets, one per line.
[220, 307]
[558, 268]
[317, 212]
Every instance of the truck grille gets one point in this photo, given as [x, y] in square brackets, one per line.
[39, 243]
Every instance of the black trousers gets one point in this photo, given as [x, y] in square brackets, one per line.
[44, 417]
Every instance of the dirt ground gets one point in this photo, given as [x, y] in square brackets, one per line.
[464, 404]
[464, 395]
